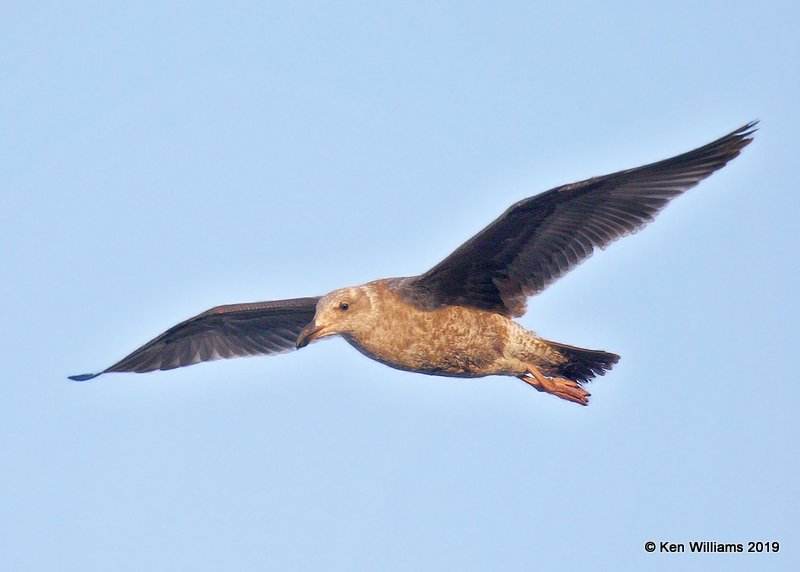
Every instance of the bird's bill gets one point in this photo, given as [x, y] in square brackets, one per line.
[312, 332]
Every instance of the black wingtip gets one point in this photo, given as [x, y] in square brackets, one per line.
[753, 125]
[747, 130]
[84, 376]
[731, 144]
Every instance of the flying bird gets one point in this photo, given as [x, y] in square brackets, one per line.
[456, 319]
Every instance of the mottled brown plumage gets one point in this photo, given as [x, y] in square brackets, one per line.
[454, 341]
[455, 319]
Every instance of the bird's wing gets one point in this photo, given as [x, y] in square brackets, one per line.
[235, 330]
[541, 238]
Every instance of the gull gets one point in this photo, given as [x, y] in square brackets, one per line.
[455, 319]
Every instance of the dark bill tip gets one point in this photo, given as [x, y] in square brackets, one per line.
[308, 335]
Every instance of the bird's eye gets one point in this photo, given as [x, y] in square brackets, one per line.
[344, 306]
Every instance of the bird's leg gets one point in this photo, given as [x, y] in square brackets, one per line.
[560, 387]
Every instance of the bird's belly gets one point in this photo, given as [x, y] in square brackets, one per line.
[437, 344]
[455, 362]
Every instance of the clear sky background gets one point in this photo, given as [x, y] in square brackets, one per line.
[158, 160]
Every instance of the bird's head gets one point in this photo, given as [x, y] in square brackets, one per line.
[340, 312]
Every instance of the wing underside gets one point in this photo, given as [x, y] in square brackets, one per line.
[236, 330]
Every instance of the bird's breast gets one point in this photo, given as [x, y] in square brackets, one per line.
[450, 341]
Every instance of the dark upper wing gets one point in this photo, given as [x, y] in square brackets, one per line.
[541, 238]
[235, 330]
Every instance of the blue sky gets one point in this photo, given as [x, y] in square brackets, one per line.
[159, 160]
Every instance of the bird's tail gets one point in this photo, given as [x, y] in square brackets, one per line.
[582, 364]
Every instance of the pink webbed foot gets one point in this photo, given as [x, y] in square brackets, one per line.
[560, 387]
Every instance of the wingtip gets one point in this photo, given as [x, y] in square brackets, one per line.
[83, 376]
[745, 131]
[732, 143]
